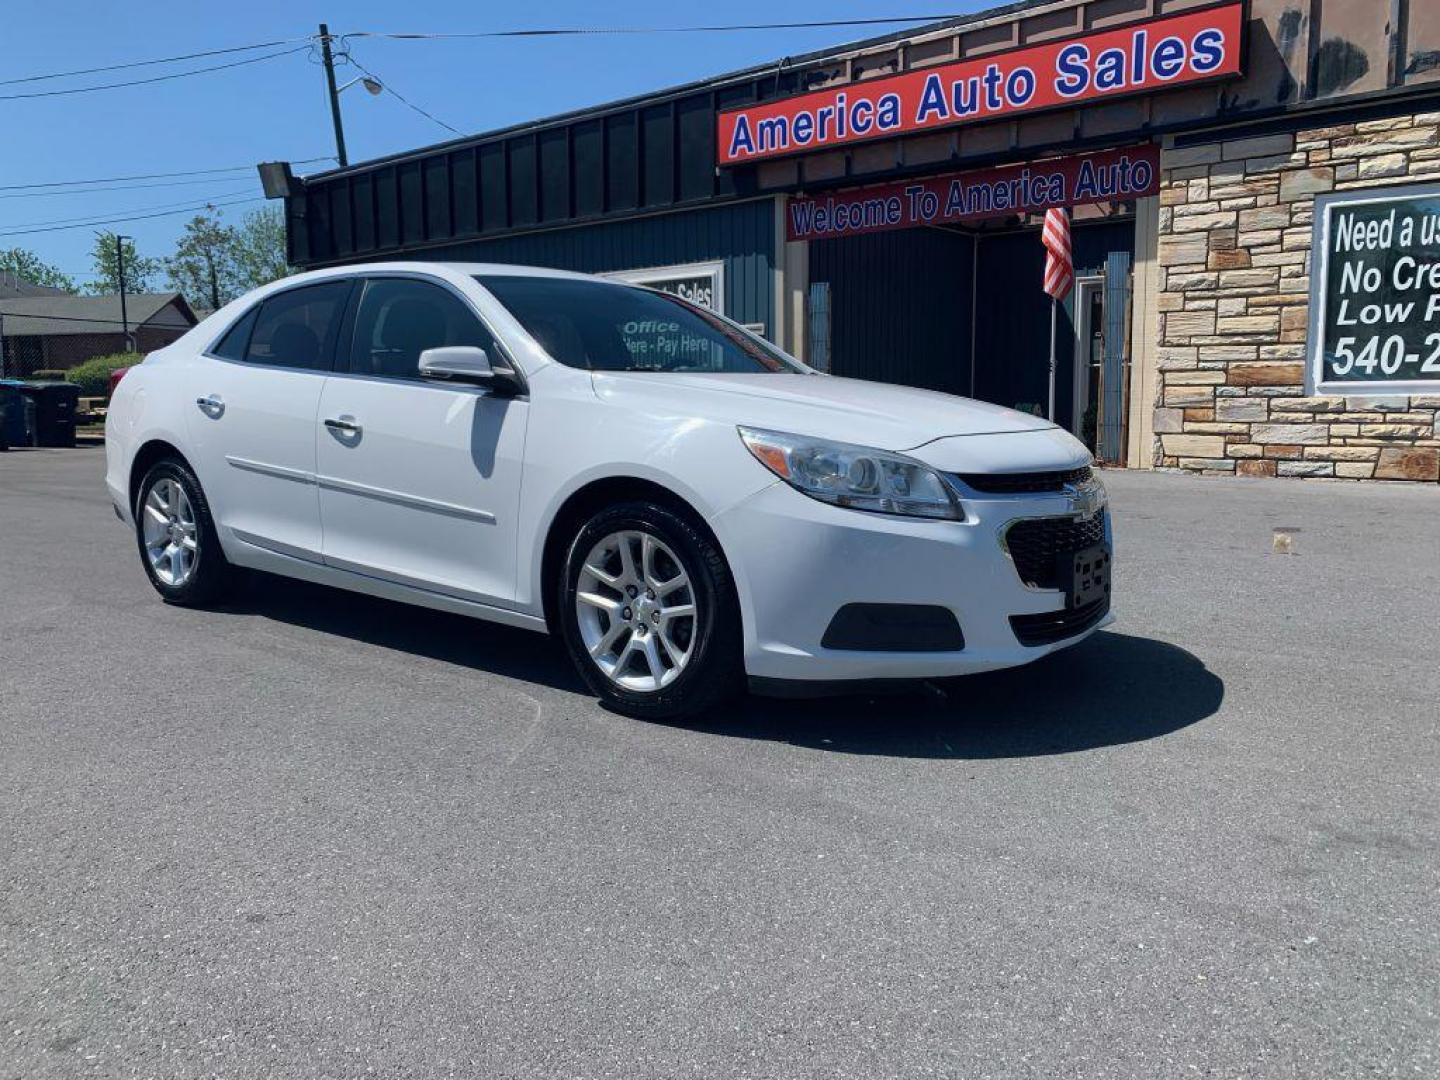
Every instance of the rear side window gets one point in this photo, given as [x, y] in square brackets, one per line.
[297, 328]
[399, 318]
[232, 345]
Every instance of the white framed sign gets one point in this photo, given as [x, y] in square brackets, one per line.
[701, 283]
[1375, 292]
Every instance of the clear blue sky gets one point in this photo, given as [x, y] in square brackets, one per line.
[277, 109]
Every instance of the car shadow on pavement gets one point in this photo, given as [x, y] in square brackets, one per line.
[1111, 689]
[453, 639]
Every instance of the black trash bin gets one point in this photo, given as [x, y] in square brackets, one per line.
[17, 415]
[55, 406]
[12, 418]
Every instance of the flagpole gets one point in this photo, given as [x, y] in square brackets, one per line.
[1050, 415]
[1059, 276]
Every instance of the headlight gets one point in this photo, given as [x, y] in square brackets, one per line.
[854, 476]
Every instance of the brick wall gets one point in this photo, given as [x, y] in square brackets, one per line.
[1233, 300]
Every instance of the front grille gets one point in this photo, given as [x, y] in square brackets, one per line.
[1051, 626]
[1041, 547]
[1024, 483]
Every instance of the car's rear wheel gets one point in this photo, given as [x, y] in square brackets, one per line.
[649, 614]
[176, 534]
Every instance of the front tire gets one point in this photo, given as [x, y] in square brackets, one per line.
[649, 614]
[176, 535]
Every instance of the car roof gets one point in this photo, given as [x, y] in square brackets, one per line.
[468, 269]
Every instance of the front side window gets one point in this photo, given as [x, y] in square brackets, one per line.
[602, 326]
[297, 328]
[399, 318]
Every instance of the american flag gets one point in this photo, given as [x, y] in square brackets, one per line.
[1059, 270]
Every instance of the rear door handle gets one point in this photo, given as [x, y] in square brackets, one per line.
[211, 406]
[343, 425]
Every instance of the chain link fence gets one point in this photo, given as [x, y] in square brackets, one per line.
[31, 357]
[59, 351]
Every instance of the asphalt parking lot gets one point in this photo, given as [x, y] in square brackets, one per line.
[319, 835]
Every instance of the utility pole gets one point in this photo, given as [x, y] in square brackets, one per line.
[329, 60]
[120, 274]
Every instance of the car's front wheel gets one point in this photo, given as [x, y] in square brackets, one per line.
[649, 614]
[176, 534]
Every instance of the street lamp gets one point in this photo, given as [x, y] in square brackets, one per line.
[371, 84]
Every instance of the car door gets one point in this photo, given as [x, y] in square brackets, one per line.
[252, 423]
[419, 481]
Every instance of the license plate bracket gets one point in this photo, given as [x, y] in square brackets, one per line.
[1088, 575]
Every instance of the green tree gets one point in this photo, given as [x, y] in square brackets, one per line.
[260, 247]
[204, 267]
[139, 272]
[28, 266]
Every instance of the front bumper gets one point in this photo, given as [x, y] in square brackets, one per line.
[797, 561]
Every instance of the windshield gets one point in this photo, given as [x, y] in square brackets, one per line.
[610, 327]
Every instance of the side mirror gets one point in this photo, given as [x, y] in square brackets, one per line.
[457, 363]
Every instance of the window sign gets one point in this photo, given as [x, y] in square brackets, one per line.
[659, 344]
[1375, 292]
[700, 283]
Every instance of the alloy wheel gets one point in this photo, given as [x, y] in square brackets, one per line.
[171, 535]
[637, 610]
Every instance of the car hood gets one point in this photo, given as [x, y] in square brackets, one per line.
[879, 415]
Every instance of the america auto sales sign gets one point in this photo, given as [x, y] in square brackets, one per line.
[1037, 186]
[1158, 54]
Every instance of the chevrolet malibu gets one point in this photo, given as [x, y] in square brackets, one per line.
[684, 505]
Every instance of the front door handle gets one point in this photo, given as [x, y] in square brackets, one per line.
[344, 425]
[211, 406]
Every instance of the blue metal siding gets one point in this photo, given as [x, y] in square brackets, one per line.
[644, 154]
[899, 306]
[742, 235]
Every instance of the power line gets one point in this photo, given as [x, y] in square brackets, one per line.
[151, 176]
[107, 190]
[539, 32]
[577, 31]
[134, 217]
[132, 210]
[412, 36]
[78, 318]
[150, 63]
[385, 85]
[155, 78]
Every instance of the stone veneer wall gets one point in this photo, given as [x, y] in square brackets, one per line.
[1233, 301]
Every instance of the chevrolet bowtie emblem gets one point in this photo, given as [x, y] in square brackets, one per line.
[1086, 498]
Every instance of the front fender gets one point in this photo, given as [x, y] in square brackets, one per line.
[574, 444]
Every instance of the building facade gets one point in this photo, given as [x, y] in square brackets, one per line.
[875, 210]
[1232, 306]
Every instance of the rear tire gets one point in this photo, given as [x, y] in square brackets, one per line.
[175, 533]
[649, 614]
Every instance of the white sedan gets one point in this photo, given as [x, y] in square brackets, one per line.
[681, 502]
